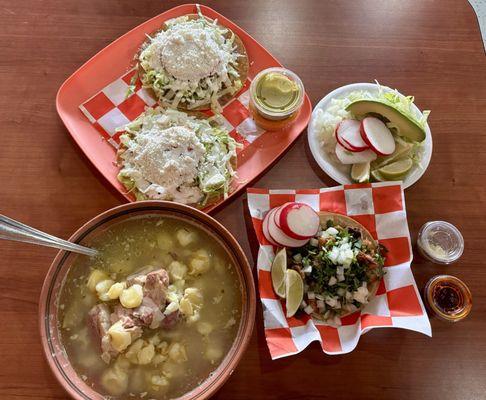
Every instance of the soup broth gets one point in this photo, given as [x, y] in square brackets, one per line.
[154, 314]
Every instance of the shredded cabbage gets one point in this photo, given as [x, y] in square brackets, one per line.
[193, 93]
[214, 172]
[401, 103]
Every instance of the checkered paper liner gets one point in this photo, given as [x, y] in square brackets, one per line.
[110, 109]
[380, 207]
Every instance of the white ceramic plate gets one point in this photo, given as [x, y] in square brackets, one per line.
[341, 173]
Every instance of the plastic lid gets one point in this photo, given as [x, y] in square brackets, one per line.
[271, 113]
[439, 289]
[441, 242]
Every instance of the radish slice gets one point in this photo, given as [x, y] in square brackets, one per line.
[266, 233]
[340, 140]
[348, 135]
[277, 214]
[279, 236]
[347, 157]
[298, 220]
[378, 137]
[288, 232]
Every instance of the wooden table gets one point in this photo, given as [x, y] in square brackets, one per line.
[431, 49]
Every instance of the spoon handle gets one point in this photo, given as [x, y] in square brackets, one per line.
[17, 231]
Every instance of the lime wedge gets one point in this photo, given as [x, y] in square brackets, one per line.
[403, 149]
[294, 291]
[279, 267]
[360, 172]
[396, 169]
[377, 177]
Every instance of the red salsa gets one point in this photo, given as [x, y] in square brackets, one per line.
[448, 298]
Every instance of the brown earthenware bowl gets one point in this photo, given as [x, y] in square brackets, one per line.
[48, 321]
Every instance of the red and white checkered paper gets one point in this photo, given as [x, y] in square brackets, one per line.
[110, 109]
[380, 207]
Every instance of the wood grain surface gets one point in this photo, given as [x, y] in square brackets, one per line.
[431, 49]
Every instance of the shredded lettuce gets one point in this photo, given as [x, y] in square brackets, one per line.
[215, 172]
[401, 103]
[416, 154]
[132, 85]
[171, 91]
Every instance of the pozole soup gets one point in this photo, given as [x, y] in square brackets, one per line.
[155, 314]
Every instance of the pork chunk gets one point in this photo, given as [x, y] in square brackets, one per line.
[131, 326]
[119, 312]
[170, 320]
[99, 320]
[155, 287]
[148, 313]
[99, 323]
[140, 276]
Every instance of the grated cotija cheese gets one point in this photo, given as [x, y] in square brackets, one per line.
[169, 155]
[188, 53]
[191, 62]
[168, 160]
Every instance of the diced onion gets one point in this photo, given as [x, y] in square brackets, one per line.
[307, 270]
[324, 235]
[331, 301]
[332, 231]
[309, 310]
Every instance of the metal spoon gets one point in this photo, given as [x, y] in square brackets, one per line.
[16, 231]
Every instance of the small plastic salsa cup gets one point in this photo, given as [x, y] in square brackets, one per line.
[448, 298]
[276, 97]
[440, 242]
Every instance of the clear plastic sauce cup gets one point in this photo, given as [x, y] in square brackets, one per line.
[448, 298]
[440, 242]
[276, 97]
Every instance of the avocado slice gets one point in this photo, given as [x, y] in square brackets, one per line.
[408, 128]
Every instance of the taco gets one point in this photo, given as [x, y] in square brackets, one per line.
[193, 63]
[341, 268]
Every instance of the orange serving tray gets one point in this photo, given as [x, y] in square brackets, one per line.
[117, 58]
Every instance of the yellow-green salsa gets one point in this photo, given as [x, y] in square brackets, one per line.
[277, 92]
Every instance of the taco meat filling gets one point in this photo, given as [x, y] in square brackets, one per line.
[341, 268]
